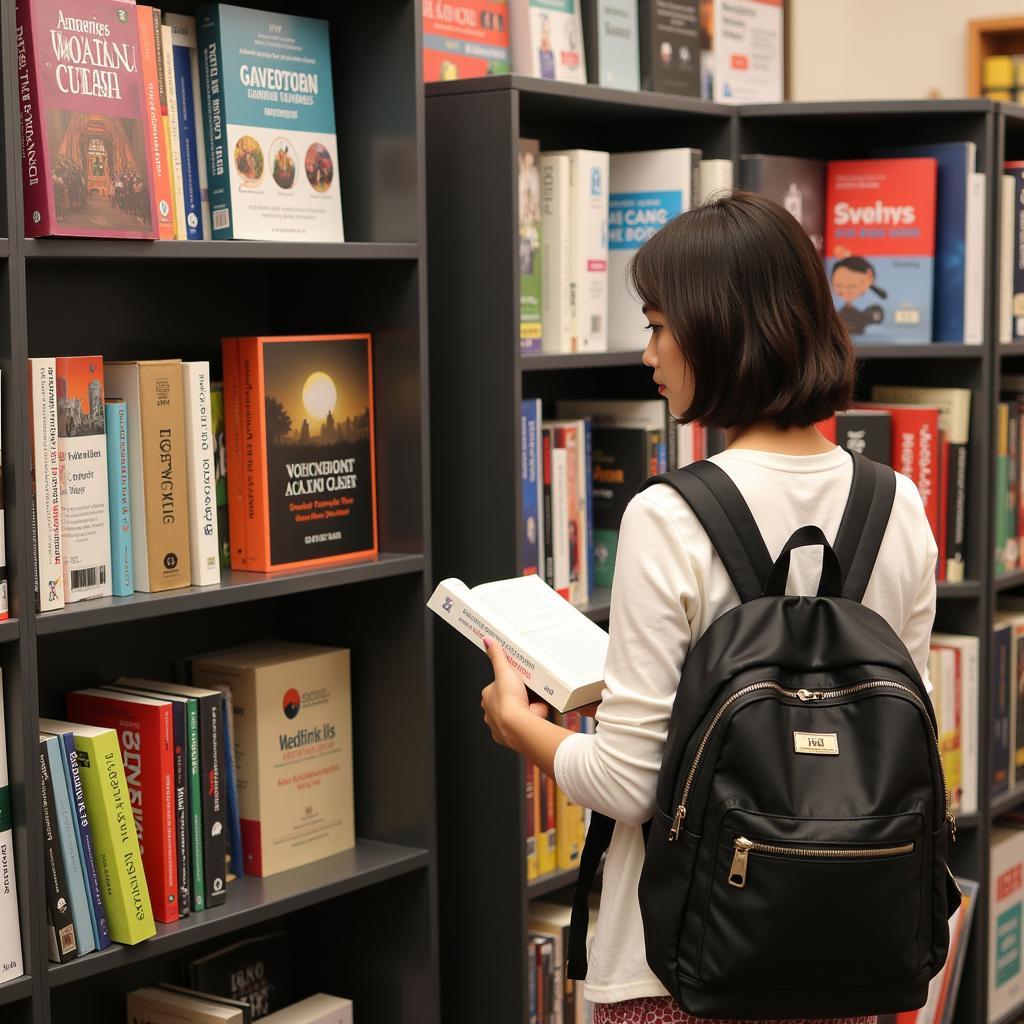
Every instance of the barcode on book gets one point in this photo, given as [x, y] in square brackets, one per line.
[94, 576]
[221, 219]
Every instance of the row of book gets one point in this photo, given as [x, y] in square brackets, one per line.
[906, 264]
[662, 45]
[552, 998]
[174, 1004]
[1006, 711]
[1006, 909]
[1009, 475]
[139, 124]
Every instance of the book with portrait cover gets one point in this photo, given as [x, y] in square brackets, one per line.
[268, 107]
[303, 450]
[86, 162]
[547, 40]
[464, 39]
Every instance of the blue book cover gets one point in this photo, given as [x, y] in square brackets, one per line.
[83, 831]
[236, 861]
[529, 427]
[122, 573]
[611, 43]
[268, 106]
[187, 129]
[66, 817]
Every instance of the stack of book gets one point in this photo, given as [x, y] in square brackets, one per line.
[551, 996]
[173, 1004]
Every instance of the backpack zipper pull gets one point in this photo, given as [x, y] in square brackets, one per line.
[951, 817]
[809, 695]
[738, 871]
[677, 823]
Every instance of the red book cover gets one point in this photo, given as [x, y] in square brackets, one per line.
[464, 39]
[302, 421]
[943, 506]
[915, 452]
[145, 736]
[827, 428]
[85, 159]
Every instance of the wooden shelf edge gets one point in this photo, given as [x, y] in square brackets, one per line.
[367, 864]
[551, 882]
[46, 249]
[12, 991]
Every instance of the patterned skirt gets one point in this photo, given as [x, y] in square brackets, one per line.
[667, 1011]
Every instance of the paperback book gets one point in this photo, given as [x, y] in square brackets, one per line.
[47, 544]
[611, 33]
[530, 306]
[464, 39]
[547, 40]
[796, 183]
[118, 498]
[670, 46]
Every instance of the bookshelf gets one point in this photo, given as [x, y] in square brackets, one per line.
[473, 128]
[363, 923]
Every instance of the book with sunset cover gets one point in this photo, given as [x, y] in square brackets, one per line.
[300, 447]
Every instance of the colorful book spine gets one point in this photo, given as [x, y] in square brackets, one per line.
[530, 273]
[532, 861]
[63, 943]
[195, 808]
[173, 133]
[181, 57]
[1015, 169]
[530, 481]
[11, 962]
[119, 499]
[220, 467]
[154, 97]
[47, 549]
[547, 837]
[200, 450]
[999, 716]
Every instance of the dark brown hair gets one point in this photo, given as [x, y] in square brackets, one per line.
[745, 296]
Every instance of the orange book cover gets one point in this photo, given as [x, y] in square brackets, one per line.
[149, 28]
[306, 429]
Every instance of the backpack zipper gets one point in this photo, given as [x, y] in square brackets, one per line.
[807, 696]
[744, 847]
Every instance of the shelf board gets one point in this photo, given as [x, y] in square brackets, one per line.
[865, 109]
[1007, 802]
[5, 248]
[581, 360]
[12, 991]
[130, 248]
[551, 882]
[1011, 349]
[10, 629]
[969, 588]
[234, 588]
[933, 350]
[254, 900]
[1009, 580]
[599, 606]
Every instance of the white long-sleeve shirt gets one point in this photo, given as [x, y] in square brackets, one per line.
[669, 586]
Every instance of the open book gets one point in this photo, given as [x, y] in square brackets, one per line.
[557, 650]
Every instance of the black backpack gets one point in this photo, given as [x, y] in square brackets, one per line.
[796, 862]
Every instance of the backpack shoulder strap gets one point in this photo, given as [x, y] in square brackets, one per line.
[864, 522]
[727, 520]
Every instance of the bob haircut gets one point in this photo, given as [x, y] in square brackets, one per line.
[745, 296]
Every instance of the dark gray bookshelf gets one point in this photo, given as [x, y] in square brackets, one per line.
[479, 378]
[364, 923]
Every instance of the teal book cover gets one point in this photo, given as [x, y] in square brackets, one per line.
[122, 576]
[611, 34]
[268, 107]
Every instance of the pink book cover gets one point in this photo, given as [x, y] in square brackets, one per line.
[85, 160]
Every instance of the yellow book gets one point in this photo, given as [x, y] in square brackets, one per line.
[547, 839]
[532, 774]
[122, 877]
[569, 831]
[997, 77]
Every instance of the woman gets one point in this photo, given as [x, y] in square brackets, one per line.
[745, 337]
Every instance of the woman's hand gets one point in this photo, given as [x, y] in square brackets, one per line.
[506, 700]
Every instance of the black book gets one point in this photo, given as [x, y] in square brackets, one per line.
[256, 970]
[548, 569]
[60, 926]
[795, 183]
[867, 431]
[670, 46]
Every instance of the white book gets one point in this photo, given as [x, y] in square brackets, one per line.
[557, 650]
[1007, 206]
[560, 519]
[647, 190]
[558, 308]
[969, 649]
[716, 177]
[11, 964]
[167, 46]
[588, 246]
[974, 260]
[578, 515]
[48, 546]
[200, 451]
[318, 1009]
[547, 40]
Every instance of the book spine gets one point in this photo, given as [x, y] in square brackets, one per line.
[589, 191]
[119, 499]
[1000, 714]
[210, 66]
[64, 818]
[1018, 253]
[174, 132]
[1007, 201]
[567, 439]
[942, 478]
[154, 117]
[220, 468]
[532, 862]
[1001, 482]
[195, 806]
[182, 822]
[83, 831]
[236, 492]
[35, 171]
[587, 483]
[560, 520]
[11, 962]
[530, 273]
[528, 530]
[1010, 553]
[556, 269]
[548, 528]
[62, 939]
[236, 859]
[4, 603]
[118, 858]
[189, 23]
[200, 451]
[974, 260]
[48, 548]
[156, 20]
[254, 454]
[211, 737]
[969, 736]
[182, 66]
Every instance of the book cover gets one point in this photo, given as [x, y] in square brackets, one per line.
[11, 963]
[235, 855]
[153, 393]
[308, 449]
[173, 132]
[256, 970]
[464, 39]
[530, 306]
[122, 575]
[796, 183]
[190, 132]
[62, 940]
[999, 712]
[646, 191]
[568, 436]
[866, 431]
[620, 466]
[317, 1009]
[880, 247]
[144, 732]
[200, 451]
[588, 247]
[85, 159]
[611, 41]
[742, 50]
[1006, 909]
[268, 101]
[82, 462]
[716, 178]
[161, 1005]
[151, 63]
[1015, 169]
[560, 518]
[670, 46]
[967, 651]
[547, 40]
[531, 482]
[558, 297]
[220, 471]
[47, 547]
[83, 830]
[293, 736]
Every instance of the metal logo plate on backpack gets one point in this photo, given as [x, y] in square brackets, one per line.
[816, 743]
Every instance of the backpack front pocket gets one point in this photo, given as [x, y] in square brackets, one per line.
[795, 904]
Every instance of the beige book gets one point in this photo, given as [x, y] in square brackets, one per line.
[153, 392]
[159, 1006]
[293, 750]
[318, 1009]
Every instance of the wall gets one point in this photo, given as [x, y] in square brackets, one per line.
[883, 49]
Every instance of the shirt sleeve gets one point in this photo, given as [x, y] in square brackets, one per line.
[917, 630]
[655, 600]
